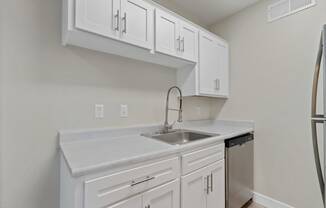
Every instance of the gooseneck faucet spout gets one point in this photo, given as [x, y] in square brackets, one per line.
[168, 126]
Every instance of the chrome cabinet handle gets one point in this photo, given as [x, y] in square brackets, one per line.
[212, 182]
[207, 185]
[117, 21]
[217, 84]
[134, 183]
[318, 118]
[178, 42]
[183, 44]
[125, 23]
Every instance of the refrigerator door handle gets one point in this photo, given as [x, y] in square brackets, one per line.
[318, 118]
[315, 118]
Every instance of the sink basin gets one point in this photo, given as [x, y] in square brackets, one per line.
[179, 137]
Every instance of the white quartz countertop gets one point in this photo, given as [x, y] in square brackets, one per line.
[88, 151]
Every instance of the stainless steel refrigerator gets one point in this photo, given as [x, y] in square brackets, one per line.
[318, 113]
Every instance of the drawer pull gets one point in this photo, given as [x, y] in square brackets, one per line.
[134, 183]
[125, 23]
[212, 182]
[207, 188]
[117, 20]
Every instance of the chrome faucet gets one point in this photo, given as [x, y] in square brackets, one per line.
[168, 126]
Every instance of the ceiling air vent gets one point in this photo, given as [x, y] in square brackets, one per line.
[283, 8]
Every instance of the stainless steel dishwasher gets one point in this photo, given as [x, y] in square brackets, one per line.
[239, 171]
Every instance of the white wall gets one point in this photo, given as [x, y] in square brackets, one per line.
[272, 66]
[50, 87]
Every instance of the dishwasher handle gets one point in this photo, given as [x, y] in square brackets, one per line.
[240, 140]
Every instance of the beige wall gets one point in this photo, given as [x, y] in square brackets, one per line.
[50, 87]
[1, 110]
[271, 76]
[174, 6]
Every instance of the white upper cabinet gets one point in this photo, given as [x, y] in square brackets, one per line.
[208, 64]
[175, 37]
[137, 23]
[189, 41]
[167, 38]
[100, 16]
[143, 30]
[128, 20]
[213, 66]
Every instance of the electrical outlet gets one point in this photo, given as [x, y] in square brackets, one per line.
[123, 111]
[99, 111]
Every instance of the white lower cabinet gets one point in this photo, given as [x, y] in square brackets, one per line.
[134, 202]
[193, 189]
[216, 196]
[204, 188]
[109, 189]
[155, 184]
[166, 196]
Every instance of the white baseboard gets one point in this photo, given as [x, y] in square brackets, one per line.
[269, 202]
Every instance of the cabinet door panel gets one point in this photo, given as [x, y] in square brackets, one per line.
[100, 16]
[209, 62]
[194, 189]
[166, 33]
[223, 69]
[216, 197]
[137, 23]
[201, 158]
[109, 189]
[189, 41]
[134, 202]
[166, 196]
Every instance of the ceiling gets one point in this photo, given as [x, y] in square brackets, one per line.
[209, 12]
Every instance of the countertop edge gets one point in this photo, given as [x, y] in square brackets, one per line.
[79, 172]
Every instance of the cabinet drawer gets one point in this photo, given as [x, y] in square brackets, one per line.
[201, 158]
[106, 190]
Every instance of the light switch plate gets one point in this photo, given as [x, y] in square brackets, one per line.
[99, 111]
[123, 111]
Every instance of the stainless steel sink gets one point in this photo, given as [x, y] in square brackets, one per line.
[180, 136]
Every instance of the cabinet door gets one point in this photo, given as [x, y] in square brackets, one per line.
[209, 61]
[223, 69]
[167, 36]
[194, 189]
[134, 202]
[166, 196]
[100, 17]
[137, 23]
[213, 66]
[216, 196]
[189, 41]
